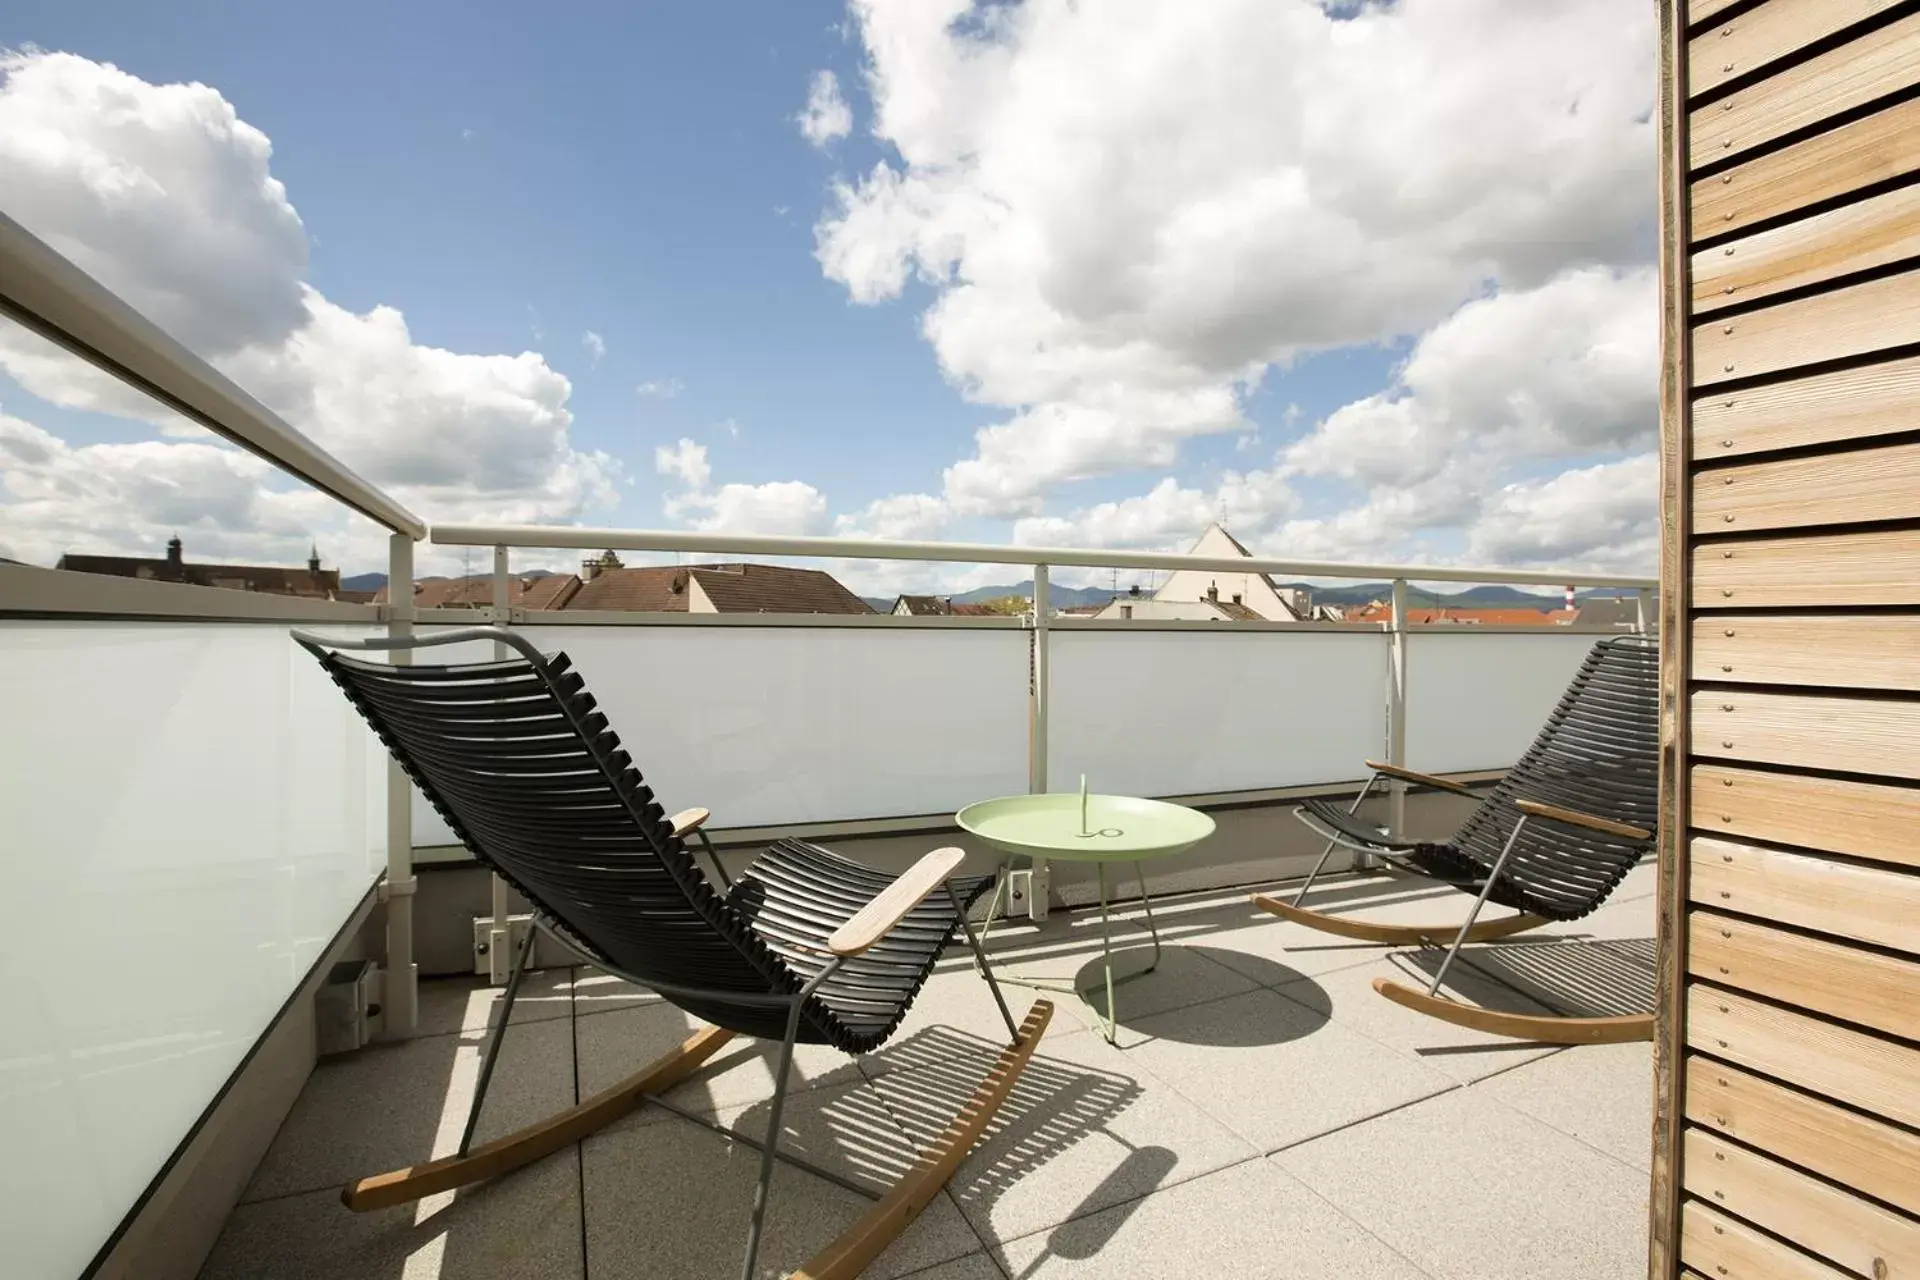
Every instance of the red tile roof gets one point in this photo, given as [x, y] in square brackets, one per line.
[270, 578]
[550, 591]
[732, 588]
[1468, 617]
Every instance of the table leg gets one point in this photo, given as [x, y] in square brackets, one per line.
[1106, 951]
[1152, 929]
[1110, 1023]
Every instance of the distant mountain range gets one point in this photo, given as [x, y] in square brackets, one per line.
[1487, 597]
[375, 581]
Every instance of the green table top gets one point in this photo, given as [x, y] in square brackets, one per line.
[1122, 829]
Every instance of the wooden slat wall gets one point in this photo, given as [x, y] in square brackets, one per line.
[1788, 1057]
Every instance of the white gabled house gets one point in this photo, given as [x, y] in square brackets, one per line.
[1232, 595]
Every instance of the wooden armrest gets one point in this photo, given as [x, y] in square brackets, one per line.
[872, 922]
[1424, 779]
[1627, 830]
[689, 820]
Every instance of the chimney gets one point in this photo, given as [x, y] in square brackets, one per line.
[592, 567]
[173, 550]
[1570, 605]
[1213, 593]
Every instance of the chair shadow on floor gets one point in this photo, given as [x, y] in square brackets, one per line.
[923, 1080]
[1574, 977]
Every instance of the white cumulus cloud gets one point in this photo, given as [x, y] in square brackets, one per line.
[166, 196]
[826, 117]
[777, 507]
[1126, 212]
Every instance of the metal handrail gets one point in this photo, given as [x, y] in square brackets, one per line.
[63, 304]
[579, 538]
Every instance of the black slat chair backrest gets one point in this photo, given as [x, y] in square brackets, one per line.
[1598, 753]
[516, 760]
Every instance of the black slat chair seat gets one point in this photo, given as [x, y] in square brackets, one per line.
[1598, 753]
[1334, 818]
[516, 760]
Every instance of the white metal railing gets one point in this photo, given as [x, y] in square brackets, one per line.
[50, 296]
[60, 302]
[46, 293]
[1042, 560]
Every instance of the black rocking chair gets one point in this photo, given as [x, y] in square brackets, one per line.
[802, 946]
[1552, 840]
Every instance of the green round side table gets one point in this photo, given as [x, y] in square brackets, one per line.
[1078, 827]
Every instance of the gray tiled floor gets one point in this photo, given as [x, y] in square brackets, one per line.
[1265, 1114]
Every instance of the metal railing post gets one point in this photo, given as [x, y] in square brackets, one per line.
[1037, 751]
[500, 924]
[400, 1000]
[1397, 712]
[1642, 609]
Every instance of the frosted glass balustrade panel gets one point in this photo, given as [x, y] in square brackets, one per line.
[1163, 713]
[772, 725]
[191, 812]
[1478, 700]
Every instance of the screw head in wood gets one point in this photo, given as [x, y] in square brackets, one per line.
[1726, 444]
[1729, 251]
[1726, 668]
[1728, 67]
[1726, 706]
[1726, 593]
[1728, 519]
[1729, 632]
[1727, 743]
[1726, 177]
[1726, 368]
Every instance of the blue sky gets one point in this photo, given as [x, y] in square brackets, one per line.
[511, 177]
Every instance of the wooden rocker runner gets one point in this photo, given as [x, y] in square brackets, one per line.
[803, 946]
[1538, 843]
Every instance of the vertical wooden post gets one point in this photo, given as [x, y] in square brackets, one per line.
[1669, 1038]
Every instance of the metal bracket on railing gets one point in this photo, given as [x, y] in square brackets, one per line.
[402, 888]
